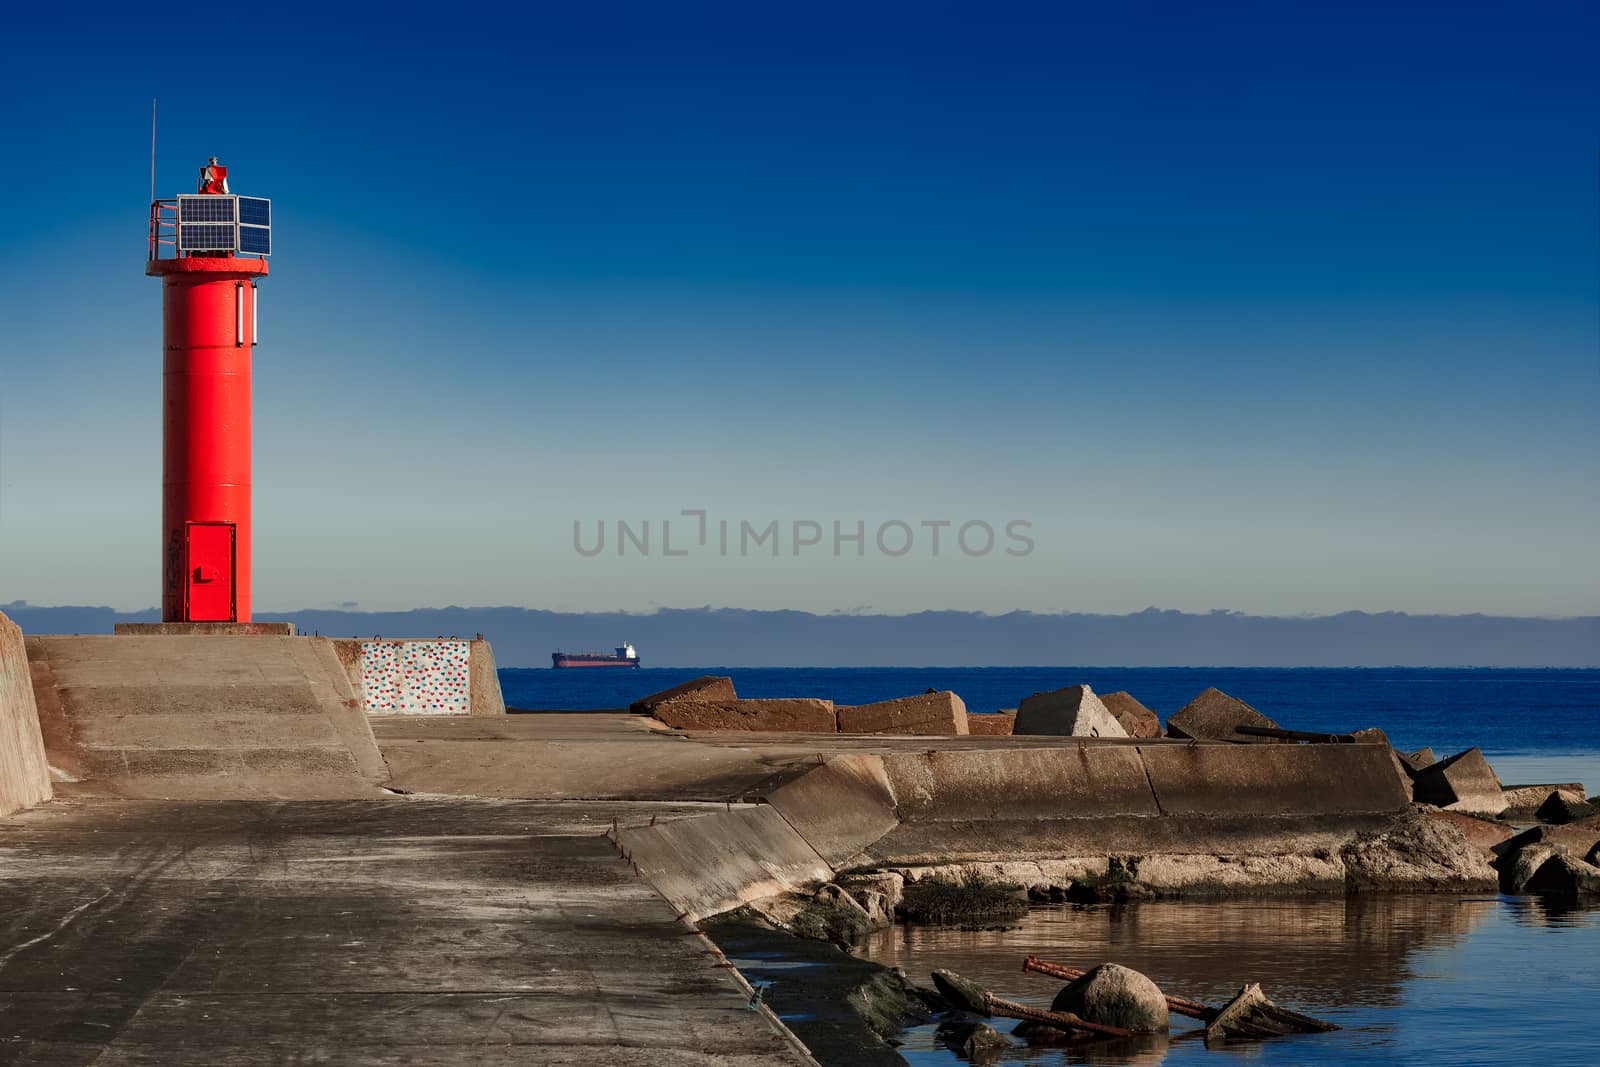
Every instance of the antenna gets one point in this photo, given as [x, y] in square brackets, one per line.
[152, 149]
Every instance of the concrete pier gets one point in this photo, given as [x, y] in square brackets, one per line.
[354, 932]
[244, 866]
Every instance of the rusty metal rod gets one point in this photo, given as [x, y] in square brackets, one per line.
[1063, 1019]
[1182, 1005]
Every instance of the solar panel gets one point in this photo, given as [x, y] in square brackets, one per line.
[206, 236]
[225, 224]
[205, 208]
[256, 240]
[255, 211]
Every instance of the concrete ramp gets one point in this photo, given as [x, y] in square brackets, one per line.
[708, 865]
[24, 774]
[203, 717]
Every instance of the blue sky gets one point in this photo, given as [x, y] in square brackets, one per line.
[1278, 308]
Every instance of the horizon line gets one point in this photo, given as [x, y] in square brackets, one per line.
[660, 609]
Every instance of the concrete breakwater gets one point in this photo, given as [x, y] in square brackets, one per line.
[1163, 819]
[256, 765]
[1072, 805]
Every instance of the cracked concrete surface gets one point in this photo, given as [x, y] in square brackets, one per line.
[353, 932]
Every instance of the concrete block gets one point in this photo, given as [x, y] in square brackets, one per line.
[706, 687]
[24, 771]
[708, 865]
[840, 807]
[1214, 714]
[1562, 807]
[1219, 780]
[999, 724]
[942, 713]
[1375, 736]
[1465, 782]
[1564, 877]
[1136, 719]
[1071, 712]
[1416, 761]
[788, 715]
[1524, 800]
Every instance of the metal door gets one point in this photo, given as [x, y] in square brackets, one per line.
[209, 573]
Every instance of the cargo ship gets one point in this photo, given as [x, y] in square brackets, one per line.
[625, 656]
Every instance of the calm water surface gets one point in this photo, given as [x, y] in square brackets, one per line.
[1413, 979]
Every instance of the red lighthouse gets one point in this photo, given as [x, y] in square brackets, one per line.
[208, 249]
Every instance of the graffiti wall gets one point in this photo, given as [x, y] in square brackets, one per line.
[416, 677]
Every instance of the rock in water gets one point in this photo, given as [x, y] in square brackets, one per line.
[973, 1040]
[1563, 807]
[1114, 995]
[1565, 878]
[1518, 868]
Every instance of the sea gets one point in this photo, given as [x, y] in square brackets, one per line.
[1469, 980]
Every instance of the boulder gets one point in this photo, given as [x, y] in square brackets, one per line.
[1518, 868]
[1214, 714]
[1465, 782]
[1577, 838]
[876, 904]
[1136, 719]
[795, 715]
[1416, 854]
[1564, 877]
[832, 914]
[707, 687]
[938, 713]
[973, 1039]
[999, 724]
[1562, 807]
[839, 897]
[1482, 834]
[891, 885]
[1071, 712]
[1114, 995]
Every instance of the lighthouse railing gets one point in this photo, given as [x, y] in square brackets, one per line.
[163, 227]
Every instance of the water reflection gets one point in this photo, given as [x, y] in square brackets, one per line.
[1408, 977]
[1310, 950]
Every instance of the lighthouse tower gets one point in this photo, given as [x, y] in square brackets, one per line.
[209, 249]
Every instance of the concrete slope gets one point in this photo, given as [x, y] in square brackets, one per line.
[203, 717]
[708, 865]
[24, 774]
[394, 931]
